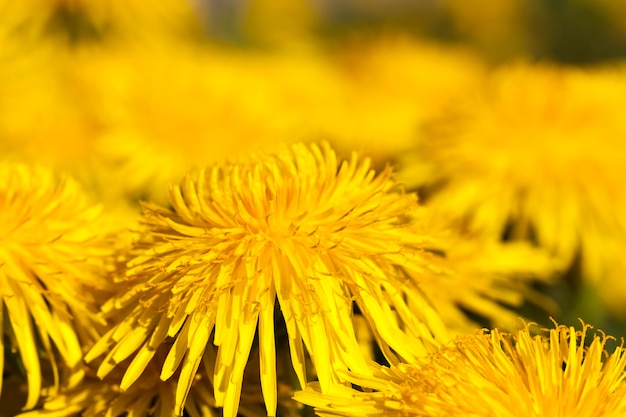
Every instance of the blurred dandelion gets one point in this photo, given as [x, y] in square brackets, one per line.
[30, 94]
[14, 391]
[229, 107]
[562, 373]
[53, 258]
[539, 156]
[392, 85]
[149, 397]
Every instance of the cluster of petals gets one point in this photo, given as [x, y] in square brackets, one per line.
[560, 372]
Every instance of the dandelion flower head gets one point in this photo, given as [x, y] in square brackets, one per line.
[562, 372]
[296, 226]
[393, 84]
[52, 262]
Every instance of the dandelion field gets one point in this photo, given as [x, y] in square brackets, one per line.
[283, 208]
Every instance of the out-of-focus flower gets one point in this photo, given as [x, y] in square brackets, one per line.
[489, 374]
[393, 84]
[148, 397]
[46, 119]
[49, 120]
[53, 259]
[319, 235]
[605, 274]
[42, 121]
[164, 110]
[539, 156]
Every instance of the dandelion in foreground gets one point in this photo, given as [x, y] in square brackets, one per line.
[296, 226]
[52, 261]
[561, 373]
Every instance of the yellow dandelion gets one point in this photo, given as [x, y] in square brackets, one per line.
[61, 136]
[297, 226]
[64, 135]
[229, 107]
[13, 394]
[538, 156]
[562, 373]
[469, 273]
[392, 85]
[52, 264]
[499, 29]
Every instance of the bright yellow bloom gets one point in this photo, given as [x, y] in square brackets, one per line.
[540, 156]
[52, 265]
[493, 374]
[318, 235]
[392, 85]
[50, 120]
[163, 110]
[353, 98]
[471, 274]
[42, 121]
